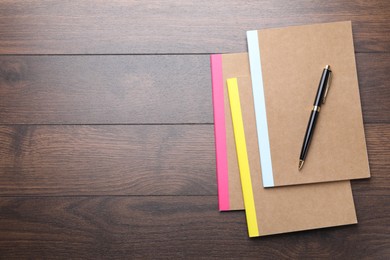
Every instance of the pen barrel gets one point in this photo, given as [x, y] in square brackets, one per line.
[309, 134]
[322, 87]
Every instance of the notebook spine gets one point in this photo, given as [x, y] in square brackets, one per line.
[220, 132]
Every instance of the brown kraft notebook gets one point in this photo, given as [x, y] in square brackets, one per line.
[286, 66]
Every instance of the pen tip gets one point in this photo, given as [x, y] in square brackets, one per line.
[327, 67]
[301, 162]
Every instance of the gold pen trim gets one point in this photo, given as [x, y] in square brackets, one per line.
[316, 108]
[301, 162]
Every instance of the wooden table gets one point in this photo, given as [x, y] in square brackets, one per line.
[106, 135]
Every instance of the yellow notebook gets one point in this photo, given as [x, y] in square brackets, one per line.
[282, 209]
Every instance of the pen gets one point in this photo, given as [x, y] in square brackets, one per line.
[322, 91]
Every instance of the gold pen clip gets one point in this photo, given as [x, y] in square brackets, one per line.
[327, 85]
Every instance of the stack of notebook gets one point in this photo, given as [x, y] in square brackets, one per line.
[262, 102]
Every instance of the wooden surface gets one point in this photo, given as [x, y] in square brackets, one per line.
[106, 130]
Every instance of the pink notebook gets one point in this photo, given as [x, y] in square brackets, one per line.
[224, 66]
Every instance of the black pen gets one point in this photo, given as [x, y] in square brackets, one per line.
[322, 91]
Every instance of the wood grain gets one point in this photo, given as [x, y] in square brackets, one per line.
[112, 156]
[374, 76]
[135, 160]
[175, 227]
[115, 160]
[105, 89]
[139, 89]
[378, 148]
[91, 27]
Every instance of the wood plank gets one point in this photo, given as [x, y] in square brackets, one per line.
[115, 160]
[139, 89]
[79, 27]
[175, 227]
[105, 89]
[135, 160]
[373, 74]
[378, 148]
